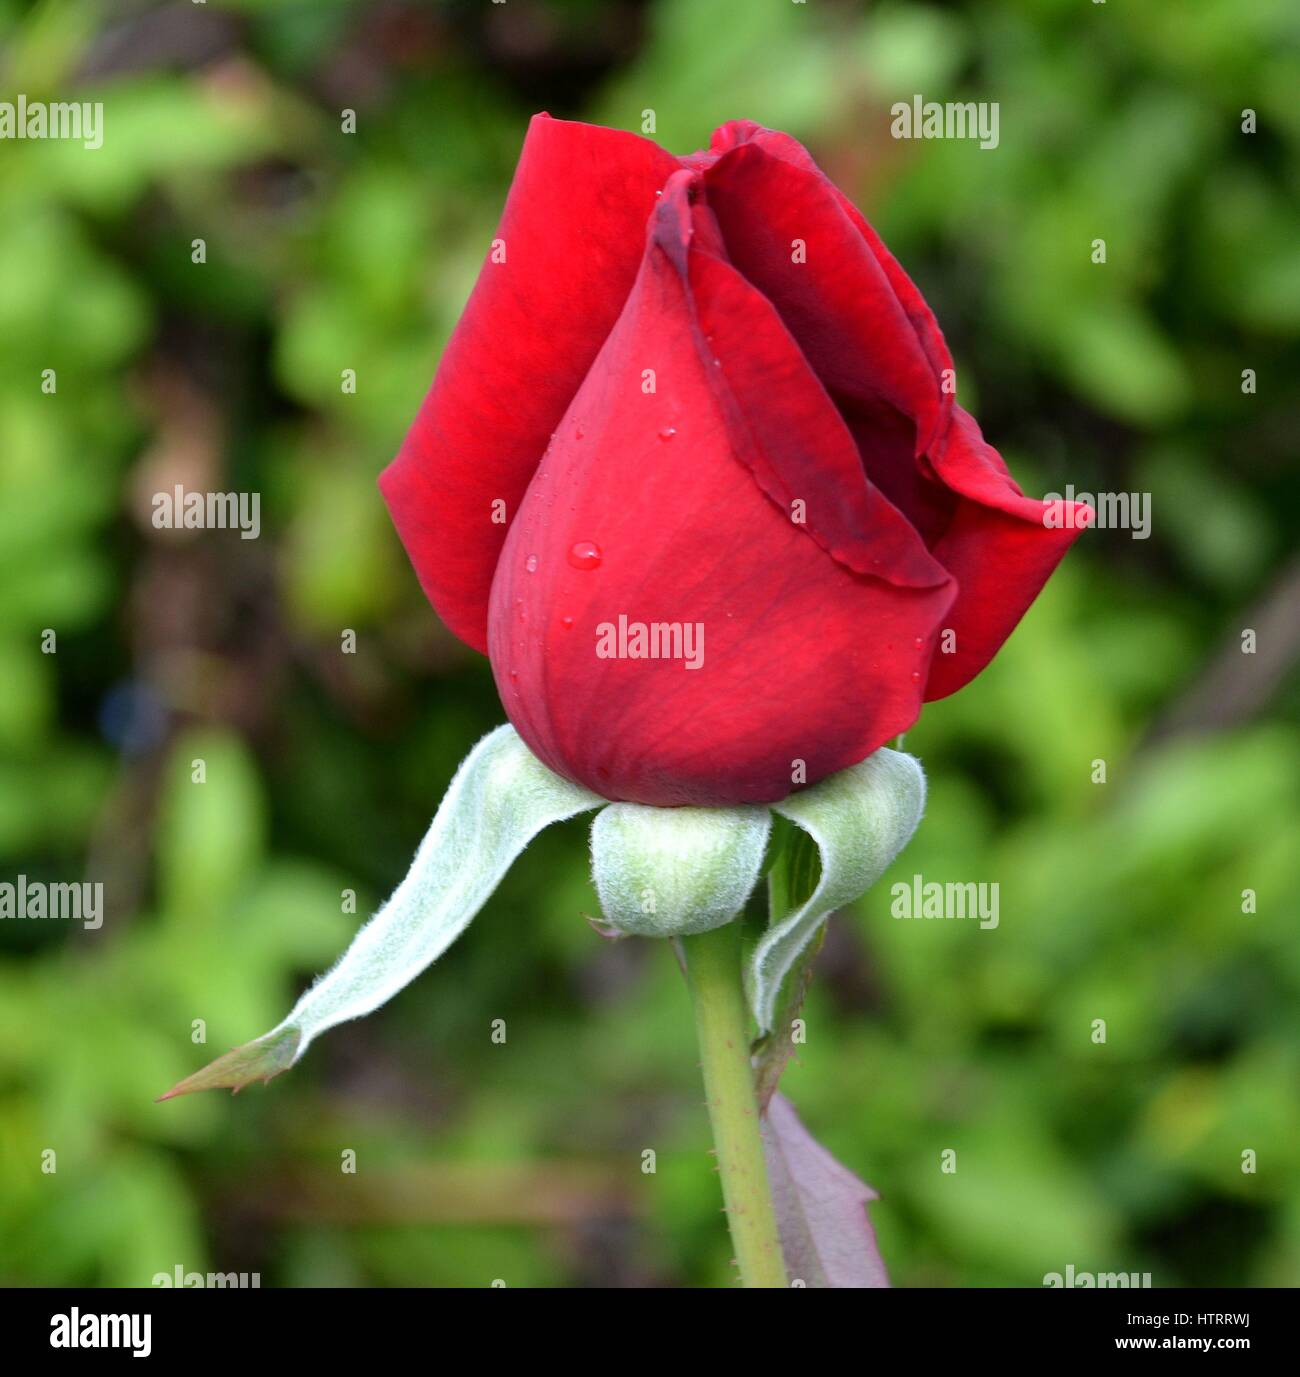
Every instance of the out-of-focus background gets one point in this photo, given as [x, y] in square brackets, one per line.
[325, 251]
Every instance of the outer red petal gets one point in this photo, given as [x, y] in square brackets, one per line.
[1000, 545]
[573, 229]
[879, 350]
[805, 658]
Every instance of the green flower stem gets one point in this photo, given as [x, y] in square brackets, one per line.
[713, 970]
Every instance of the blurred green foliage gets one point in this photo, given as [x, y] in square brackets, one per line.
[325, 251]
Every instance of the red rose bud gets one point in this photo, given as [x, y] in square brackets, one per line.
[692, 474]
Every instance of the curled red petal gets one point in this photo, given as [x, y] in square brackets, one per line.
[1001, 547]
[783, 425]
[787, 230]
[778, 145]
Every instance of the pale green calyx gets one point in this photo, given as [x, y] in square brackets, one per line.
[860, 818]
[659, 872]
[671, 872]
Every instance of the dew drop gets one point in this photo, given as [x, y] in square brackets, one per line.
[585, 555]
[668, 432]
[531, 565]
[916, 676]
[567, 623]
[919, 643]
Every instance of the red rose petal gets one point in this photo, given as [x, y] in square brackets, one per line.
[838, 303]
[804, 659]
[999, 547]
[784, 426]
[867, 335]
[573, 230]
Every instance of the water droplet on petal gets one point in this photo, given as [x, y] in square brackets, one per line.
[531, 565]
[919, 643]
[668, 432]
[585, 555]
[567, 623]
[916, 676]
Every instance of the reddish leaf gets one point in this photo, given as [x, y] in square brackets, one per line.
[821, 1208]
[241, 1066]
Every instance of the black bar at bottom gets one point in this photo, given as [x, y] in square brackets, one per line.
[300, 1326]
